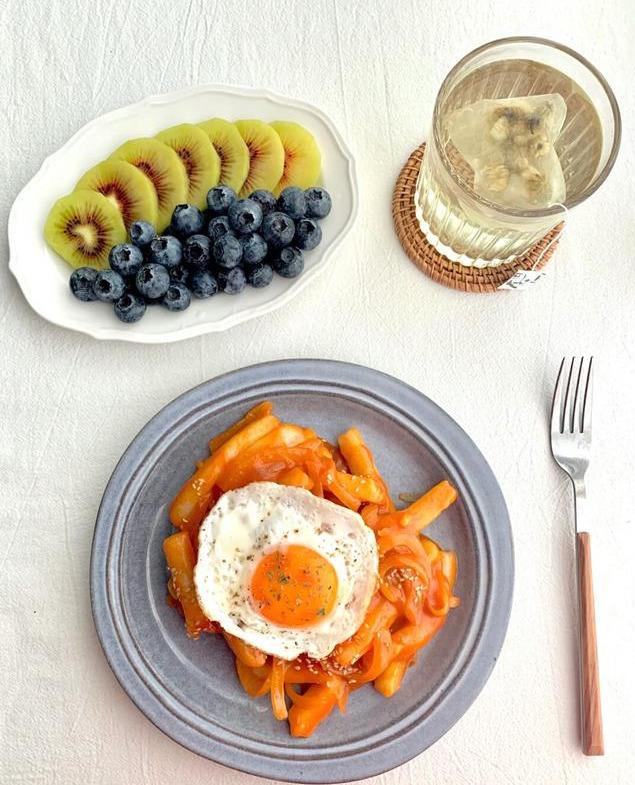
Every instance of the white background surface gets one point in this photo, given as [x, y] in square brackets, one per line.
[69, 405]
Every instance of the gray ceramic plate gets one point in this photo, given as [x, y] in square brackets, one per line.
[189, 688]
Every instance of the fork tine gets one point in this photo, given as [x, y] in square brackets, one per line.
[558, 398]
[587, 404]
[566, 421]
[577, 405]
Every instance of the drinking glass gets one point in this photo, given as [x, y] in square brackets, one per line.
[473, 230]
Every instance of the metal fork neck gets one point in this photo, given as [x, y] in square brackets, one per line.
[579, 493]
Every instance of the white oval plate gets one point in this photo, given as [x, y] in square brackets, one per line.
[43, 276]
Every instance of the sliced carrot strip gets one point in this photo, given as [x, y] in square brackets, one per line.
[258, 411]
[381, 614]
[340, 491]
[356, 454]
[296, 478]
[431, 548]
[360, 461]
[181, 560]
[303, 720]
[285, 435]
[426, 509]
[340, 688]
[192, 502]
[295, 696]
[409, 639]
[389, 681]
[255, 681]
[267, 464]
[366, 489]
[336, 684]
[238, 472]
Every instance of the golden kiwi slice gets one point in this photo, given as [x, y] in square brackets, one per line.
[231, 149]
[82, 228]
[127, 187]
[266, 156]
[164, 168]
[302, 159]
[200, 159]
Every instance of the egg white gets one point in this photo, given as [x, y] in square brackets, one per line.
[249, 522]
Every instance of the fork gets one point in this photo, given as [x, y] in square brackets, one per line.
[571, 449]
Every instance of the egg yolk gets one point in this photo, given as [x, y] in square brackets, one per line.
[294, 586]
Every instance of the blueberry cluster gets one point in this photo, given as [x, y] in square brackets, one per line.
[234, 243]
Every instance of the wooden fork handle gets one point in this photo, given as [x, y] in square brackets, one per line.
[590, 706]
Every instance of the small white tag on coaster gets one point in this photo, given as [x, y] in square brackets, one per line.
[522, 279]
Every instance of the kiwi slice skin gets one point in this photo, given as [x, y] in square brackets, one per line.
[164, 168]
[231, 149]
[199, 158]
[266, 156]
[82, 228]
[302, 159]
[127, 187]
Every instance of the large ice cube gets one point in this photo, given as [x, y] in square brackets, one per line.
[509, 143]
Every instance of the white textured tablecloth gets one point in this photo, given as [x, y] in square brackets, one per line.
[70, 405]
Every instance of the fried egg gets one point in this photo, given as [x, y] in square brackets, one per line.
[286, 571]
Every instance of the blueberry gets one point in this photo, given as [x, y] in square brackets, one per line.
[196, 250]
[259, 275]
[278, 229]
[187, 219]
[166, 250]
[245, 216]
[265, 199]
[219, 199]
[218, 226]
[177, 298]
[288, 262]
[318, 202]
[307, 234]
[228, 251]
[180, 273]
[232, 281]
[292, 201]
[108, 286]
[130, 307]
[141, 233]
[152, 281]
[125, 259]
[203, 284]
[81, 283]
[254, 249]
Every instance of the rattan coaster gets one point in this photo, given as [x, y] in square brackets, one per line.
[437, 266]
